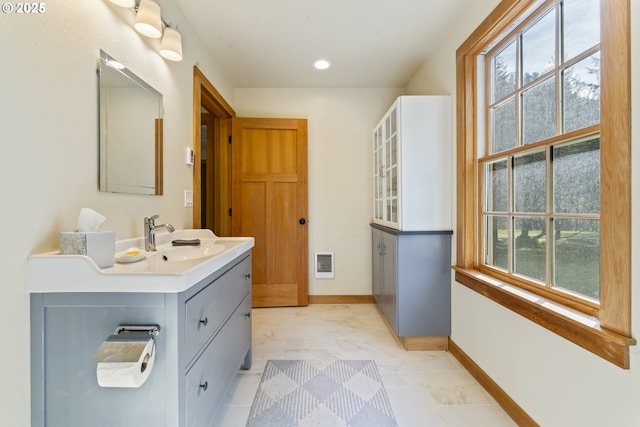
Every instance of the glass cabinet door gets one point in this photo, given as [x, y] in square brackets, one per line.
[378, 174]
[391, 167]
[386, 158]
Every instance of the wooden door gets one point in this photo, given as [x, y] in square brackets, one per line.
[269, 202]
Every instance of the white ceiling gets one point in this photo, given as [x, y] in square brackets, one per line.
[273, 43]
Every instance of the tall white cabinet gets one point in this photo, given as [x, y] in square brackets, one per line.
[412, 165]
[412, 224]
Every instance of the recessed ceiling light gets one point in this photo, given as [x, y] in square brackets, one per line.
[322, 64]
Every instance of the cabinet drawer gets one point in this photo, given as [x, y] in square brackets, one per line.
[207, 310]
[217, 367]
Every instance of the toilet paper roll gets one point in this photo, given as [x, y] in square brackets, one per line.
[127, 374]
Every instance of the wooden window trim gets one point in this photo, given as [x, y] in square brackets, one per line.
[608, 335]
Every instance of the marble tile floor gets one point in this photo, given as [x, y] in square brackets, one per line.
[426, 388]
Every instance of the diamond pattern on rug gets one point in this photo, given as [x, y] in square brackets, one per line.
[321, 386]
[279, 386]
[300, 393]
[363, 386]
[321, 416]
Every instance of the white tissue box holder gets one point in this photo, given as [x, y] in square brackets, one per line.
[98, 245]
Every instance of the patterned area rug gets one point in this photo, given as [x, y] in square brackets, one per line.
[295, 393]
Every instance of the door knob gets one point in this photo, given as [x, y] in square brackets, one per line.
[302, 221]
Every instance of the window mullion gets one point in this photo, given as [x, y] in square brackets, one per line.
[558, 71]
[510, 218]
[488, 125]
[518, 91]
[549, 164]
[548, 223]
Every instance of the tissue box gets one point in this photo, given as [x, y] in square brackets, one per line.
[98, 245]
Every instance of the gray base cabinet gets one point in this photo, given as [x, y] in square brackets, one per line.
[411, 280]
[205, 338]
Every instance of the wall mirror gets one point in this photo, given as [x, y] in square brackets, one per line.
[130, 131]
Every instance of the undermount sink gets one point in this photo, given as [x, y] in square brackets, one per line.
[207, 248]
[168, 269]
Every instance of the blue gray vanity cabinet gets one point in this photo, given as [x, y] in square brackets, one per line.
[412, 280]
[205, 338]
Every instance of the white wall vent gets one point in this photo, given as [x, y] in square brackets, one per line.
[324, 265]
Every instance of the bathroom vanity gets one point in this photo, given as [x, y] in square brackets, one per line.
[200, 298]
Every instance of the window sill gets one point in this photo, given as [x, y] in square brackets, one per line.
[572, 325]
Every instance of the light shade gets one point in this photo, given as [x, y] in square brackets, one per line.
[148, 19]
[124, 3]
[171, 46]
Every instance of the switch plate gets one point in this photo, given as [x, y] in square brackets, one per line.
[188, 198]
[189, 156]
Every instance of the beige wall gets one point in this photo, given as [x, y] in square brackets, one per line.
[48, 132]
[555, 381]
[48, 129]
[340, 166]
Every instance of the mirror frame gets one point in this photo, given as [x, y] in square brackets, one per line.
[117, 70]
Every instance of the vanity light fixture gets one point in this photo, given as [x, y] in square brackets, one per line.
[149, 22]
[171, 46]
[148, 19]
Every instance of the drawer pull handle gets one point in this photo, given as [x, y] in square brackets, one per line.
[204, 386]
[247, 276]
[247, 315]
[204, 321]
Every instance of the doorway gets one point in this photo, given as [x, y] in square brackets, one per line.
[269, 157]
[207, 158]
[212, 157]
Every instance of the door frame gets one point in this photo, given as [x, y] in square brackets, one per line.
[204, 93]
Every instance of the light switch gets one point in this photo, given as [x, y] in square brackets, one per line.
[189, 156]
[188, 198]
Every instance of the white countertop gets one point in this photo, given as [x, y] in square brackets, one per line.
[52, 272]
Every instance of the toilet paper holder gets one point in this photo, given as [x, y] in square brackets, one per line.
[133, 334]
[126, 357]
[152, 330]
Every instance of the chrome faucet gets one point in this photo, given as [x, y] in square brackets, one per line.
[150, 229]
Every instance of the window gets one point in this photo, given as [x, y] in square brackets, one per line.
[541, 172]
[543, 158]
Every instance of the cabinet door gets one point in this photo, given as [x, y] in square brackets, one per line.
[389, 278]
[386, 165]
[391, 166]
[376, 260]
[378, 174]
